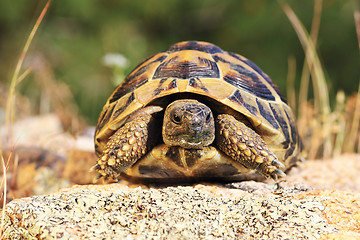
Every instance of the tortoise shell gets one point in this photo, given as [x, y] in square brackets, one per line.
[225, 79]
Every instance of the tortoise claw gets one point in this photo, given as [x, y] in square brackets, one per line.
[97, 177]
[277, 163]
[277, 174]
[95, 168]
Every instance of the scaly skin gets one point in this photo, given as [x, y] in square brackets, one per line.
[128, 144]
[194, 127]
[244, 145]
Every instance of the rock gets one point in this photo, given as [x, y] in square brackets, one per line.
[340, 172]
[188, 212]
[41, 158]
[33, 170]
[40, 131]
[329, 209]
[281, 188]
[45, 131]
[78, 165]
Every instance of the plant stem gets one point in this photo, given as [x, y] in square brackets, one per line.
[10, 103]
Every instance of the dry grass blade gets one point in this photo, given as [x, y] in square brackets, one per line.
[339, 126]
[10, 113]
[322, 138]
[356, 118]
[305, 76]
[354, 129]
[25, 73]
[313, 62]
[10, 105]
[55, 95]
[291, 82]
[4, 184]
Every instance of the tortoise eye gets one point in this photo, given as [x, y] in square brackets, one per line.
[176, 119]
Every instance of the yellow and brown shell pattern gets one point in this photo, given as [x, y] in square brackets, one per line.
[206, 70]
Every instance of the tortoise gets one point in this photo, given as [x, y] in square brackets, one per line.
[196, 112]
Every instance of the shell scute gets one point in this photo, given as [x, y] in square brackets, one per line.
[265, 112]
[197, 83]
[122, 107]
[240, 76]
[138, 77]
[186, 67]
[196, 46]
[259, 71]
[246, 102]
[283, 123]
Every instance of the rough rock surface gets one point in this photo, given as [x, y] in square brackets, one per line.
[247, 210]
[329, 209]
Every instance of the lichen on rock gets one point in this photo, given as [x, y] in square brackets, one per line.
[109, 211]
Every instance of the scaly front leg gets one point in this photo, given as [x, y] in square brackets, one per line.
[128, 144]
[245, 146]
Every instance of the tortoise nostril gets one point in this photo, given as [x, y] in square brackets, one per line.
[196, 125]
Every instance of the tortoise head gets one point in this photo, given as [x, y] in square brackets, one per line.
[188, 124]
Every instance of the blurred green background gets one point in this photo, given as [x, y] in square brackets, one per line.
[76, 34]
